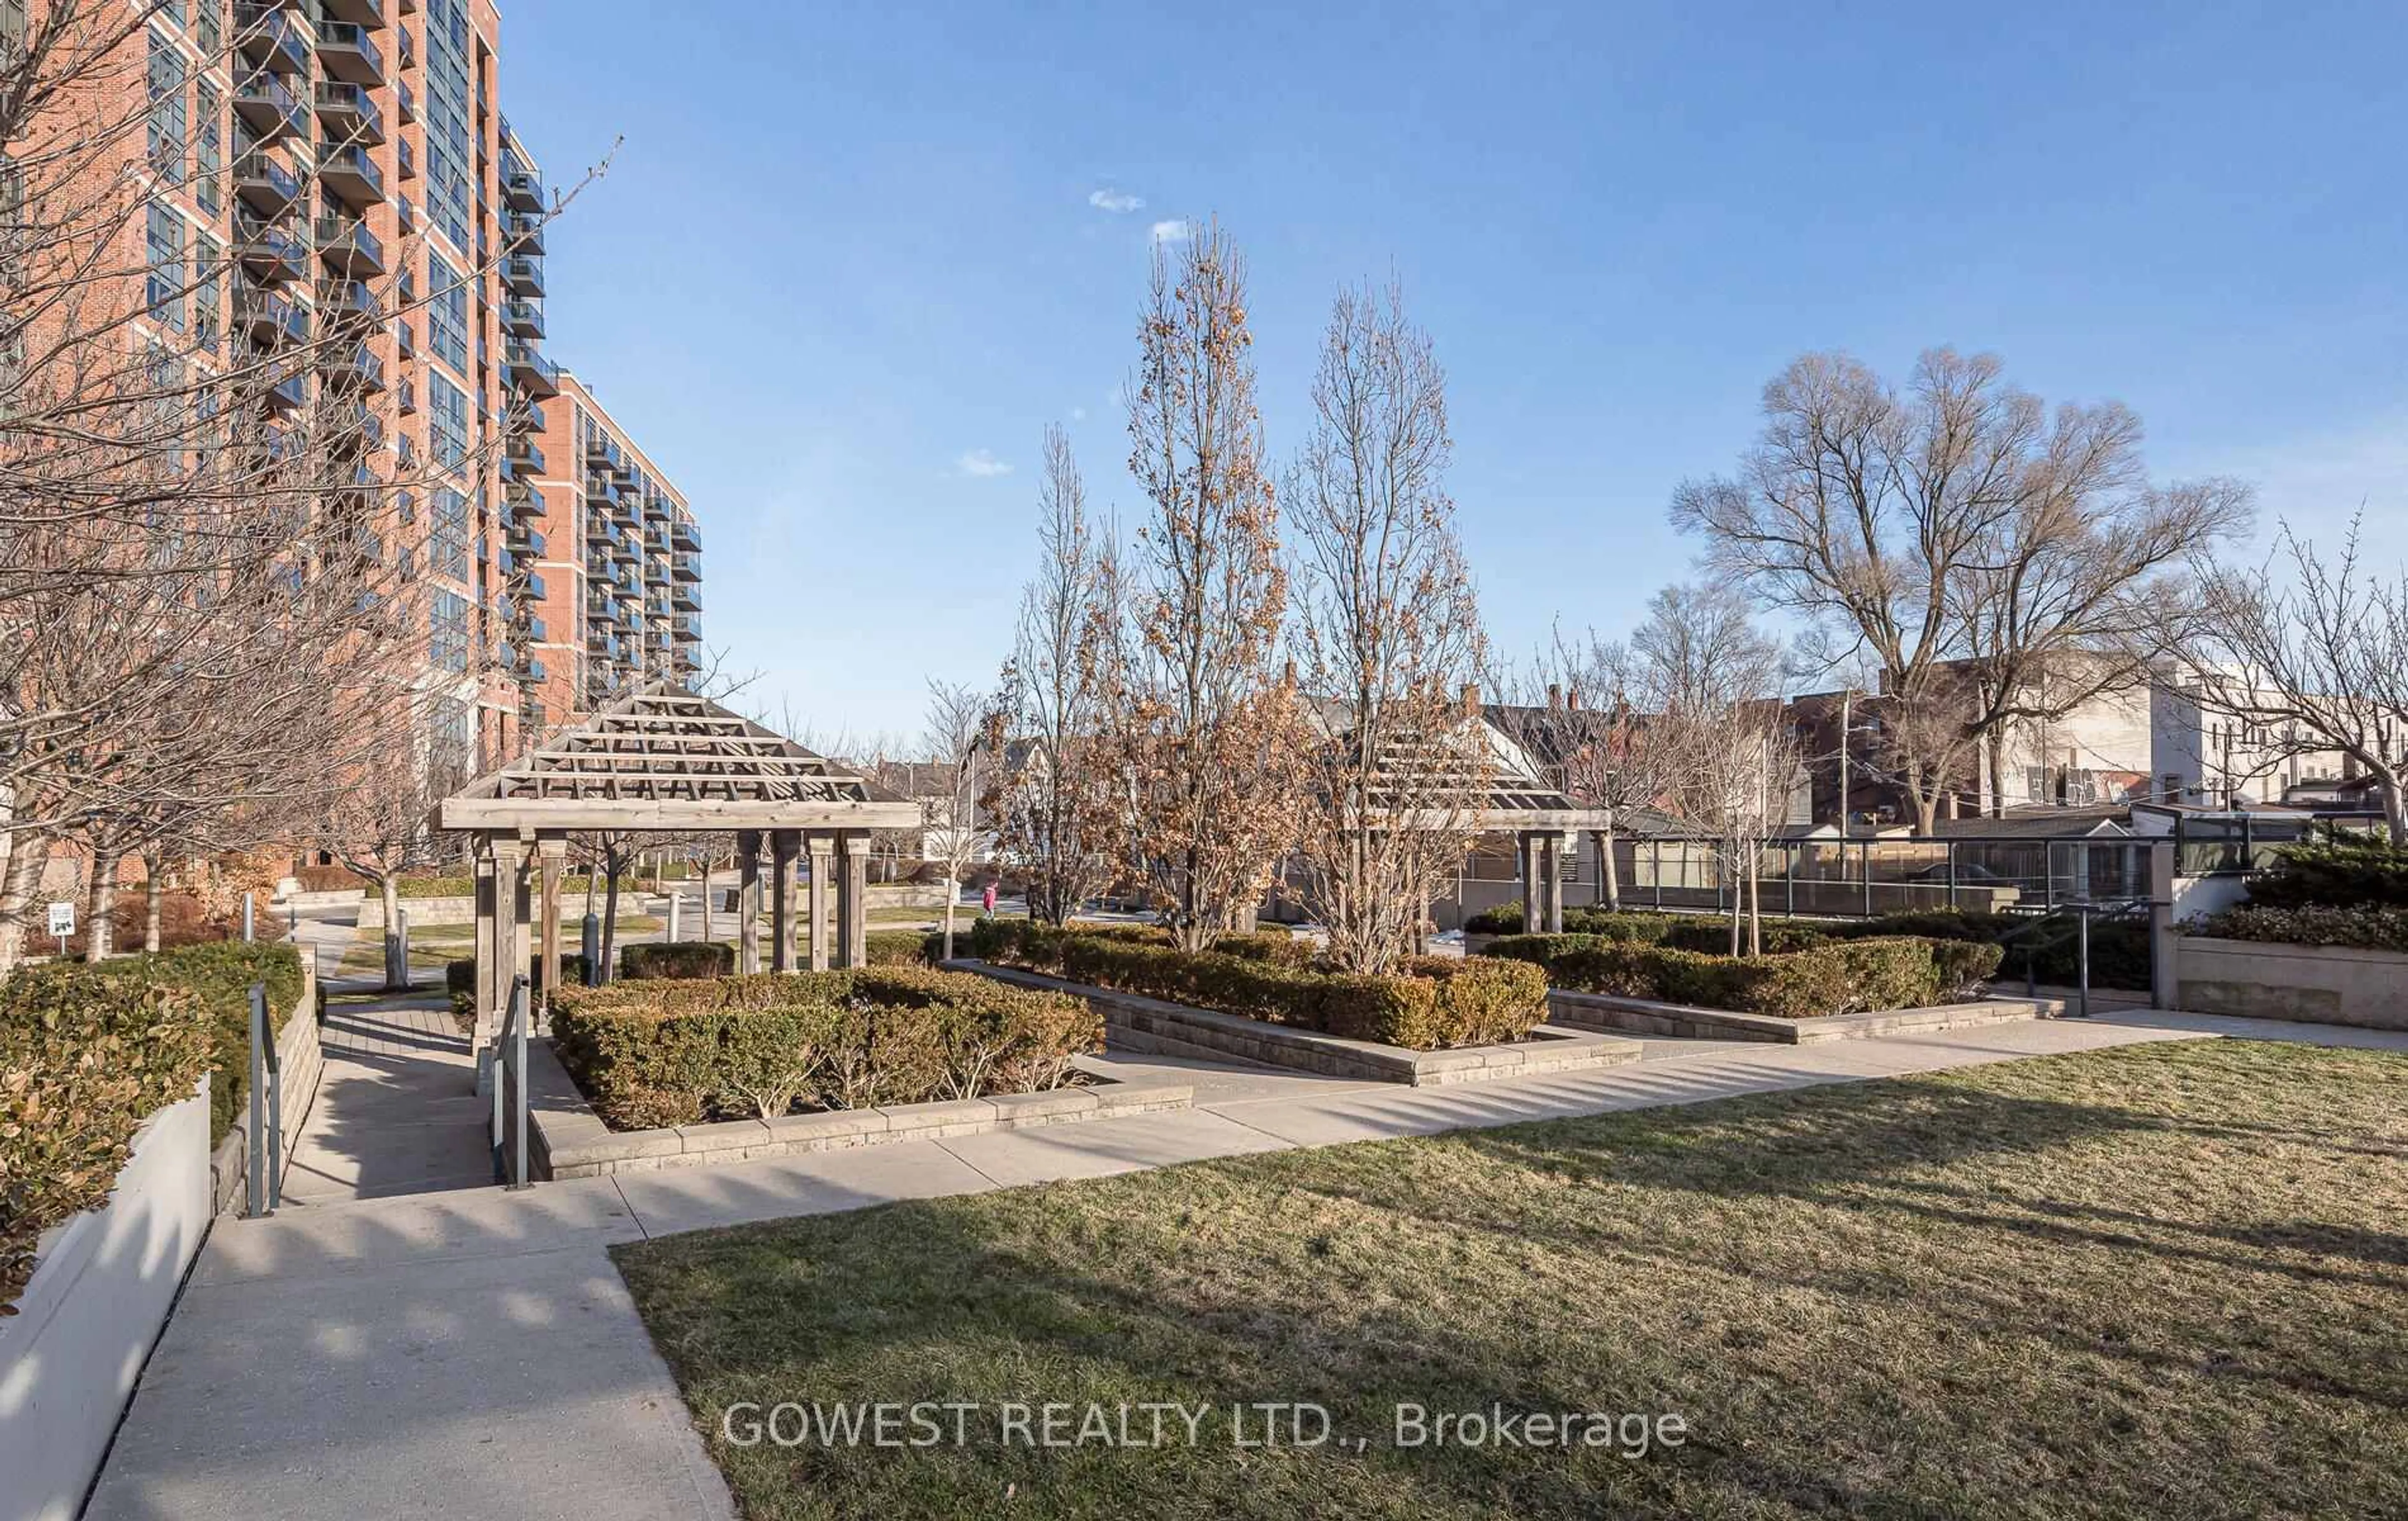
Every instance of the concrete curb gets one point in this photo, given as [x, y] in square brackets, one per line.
[1153, 1027]
[1643, 1016]
[567, 1139]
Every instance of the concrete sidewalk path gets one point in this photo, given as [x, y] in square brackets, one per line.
[475, 1353]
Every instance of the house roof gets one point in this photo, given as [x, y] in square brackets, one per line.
[663, 759]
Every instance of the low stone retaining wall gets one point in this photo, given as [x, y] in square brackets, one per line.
[567, 1139]
[1170, 1029]
[2322, 984]
[102, 1287]
[1643, 1016]
[303, 1062]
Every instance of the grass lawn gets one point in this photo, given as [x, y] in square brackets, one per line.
[434, 945]
[2167, 1280]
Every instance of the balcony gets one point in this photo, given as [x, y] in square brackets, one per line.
[356, 429]
[524, 233]
[270, 253]
[659, 511]
[405, 103]
[267, 319]
[686, 567]
[684, 538]
[538, 631]
[405, 159]
[355, 366]
[529, 541]
[405, 340]
[350, 301]
[408, 401]
[349, 173]
[290, 393]
[528, 416]
[535, 588]
[406, 215]
[347, 52]
[263, 101]
[265, 185]
[405, 46]
[523, 457]
[522, 275]
[530, 371]
[349, 248]
[521, 502]
[523, 319]
[348, 113]
[685, 597]
[521, 187]
[367, 13]
[265, 35]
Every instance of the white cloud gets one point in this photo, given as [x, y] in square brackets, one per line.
[1114, 201]
[982, 464]
[1174, 231]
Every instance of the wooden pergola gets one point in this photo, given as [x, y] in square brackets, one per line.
[1501, 791]
[664, 761]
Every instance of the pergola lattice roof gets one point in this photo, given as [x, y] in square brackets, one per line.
[663, 759]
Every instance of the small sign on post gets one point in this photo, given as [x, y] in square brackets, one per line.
[61, 924]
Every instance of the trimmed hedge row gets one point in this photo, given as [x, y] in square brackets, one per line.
[2120, 951]
[1839, 977]
[2345, 870]
[1438, 1004]
[676, 958]
[89, 1052]
[666, 1053]
[2367, 927]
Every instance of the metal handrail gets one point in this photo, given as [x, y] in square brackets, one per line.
[264, 1169]
[509, 1130]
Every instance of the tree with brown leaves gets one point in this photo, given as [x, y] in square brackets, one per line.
[1207, 732]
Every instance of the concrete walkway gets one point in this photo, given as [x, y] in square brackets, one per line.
[474, 1352]
[397, 1111]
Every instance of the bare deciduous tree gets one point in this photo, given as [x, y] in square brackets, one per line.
[1991, 562]
[1052, 795]
[960, 723]
[1727, 751]
[2316, 661]
[1583, 708]
[1386, 633]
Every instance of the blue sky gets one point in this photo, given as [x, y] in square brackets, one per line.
[847, 263]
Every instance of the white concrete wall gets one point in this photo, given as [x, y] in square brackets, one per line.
[2325, 985]
[99, 1297]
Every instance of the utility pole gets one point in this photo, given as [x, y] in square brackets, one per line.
[1847, 718]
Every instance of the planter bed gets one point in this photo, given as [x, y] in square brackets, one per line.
[1644, 1016]
[1153, 1027]
[567, 1139]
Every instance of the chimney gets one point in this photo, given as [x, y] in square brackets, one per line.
[1571, 699]
[1472, 699]
[1555, 696]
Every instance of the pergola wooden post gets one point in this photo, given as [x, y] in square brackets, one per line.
[665, 761]
[748, 901]
[853, 898]
[550, 853]
[822, 852]
[784, 845]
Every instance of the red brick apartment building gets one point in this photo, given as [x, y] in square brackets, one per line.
[311, 169]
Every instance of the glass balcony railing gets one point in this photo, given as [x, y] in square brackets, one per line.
[358, 46]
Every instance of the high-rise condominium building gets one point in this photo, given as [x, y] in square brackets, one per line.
[341, 168]
[616, 561]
